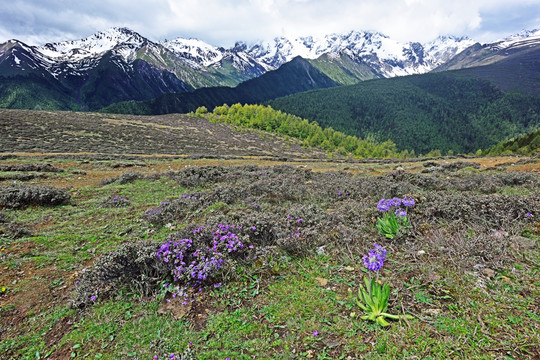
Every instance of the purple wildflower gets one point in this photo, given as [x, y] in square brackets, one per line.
[374, 260]
[383, 205]
[395, 202]
[315, 333]
[401, 213]
[408, 201]
[529, 214]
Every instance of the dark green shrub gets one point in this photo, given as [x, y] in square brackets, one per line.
[27, 195]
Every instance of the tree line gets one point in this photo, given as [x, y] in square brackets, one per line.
[310, 133]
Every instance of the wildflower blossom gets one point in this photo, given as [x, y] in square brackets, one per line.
[374, 260]
[400, 213]
[408, 201]
[395, 202]
[383, 205]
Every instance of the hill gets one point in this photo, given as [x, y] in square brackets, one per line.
[446, 111]
[295, 76]
[102, 134]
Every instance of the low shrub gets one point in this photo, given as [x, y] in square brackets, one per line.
[114, 201]
[27, 195]
[14, 230]
[125, 178]
[31, 167]
[22, 177]
[133, 265]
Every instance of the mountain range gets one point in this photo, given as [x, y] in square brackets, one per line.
[119, 64]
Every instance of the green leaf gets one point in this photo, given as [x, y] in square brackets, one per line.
[380, 320]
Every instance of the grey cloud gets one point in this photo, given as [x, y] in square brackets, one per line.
[222, 22]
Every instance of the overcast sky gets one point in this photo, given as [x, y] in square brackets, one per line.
[222, 22]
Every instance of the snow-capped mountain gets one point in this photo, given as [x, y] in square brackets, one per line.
[122, 41]
[486, 54]
[196, 50]
[120, 64]
[191, 61]
[388, 57]
[523, 38]
[203, 55]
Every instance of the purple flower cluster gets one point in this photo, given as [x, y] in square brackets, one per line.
[298, 223]
[119, 199]
[374, 260]
[188, 196]
[223, 236]
[152, 212]
[387, 204]
[194, 266]
[187, 354]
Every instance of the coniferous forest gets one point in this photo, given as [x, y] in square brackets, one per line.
[421, 113]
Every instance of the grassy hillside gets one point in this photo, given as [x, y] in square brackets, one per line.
[296, 76]
[444, 111]
[132, 237]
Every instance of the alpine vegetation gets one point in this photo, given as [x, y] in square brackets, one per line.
[373, 299]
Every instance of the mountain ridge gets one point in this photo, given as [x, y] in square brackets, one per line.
[121, 65]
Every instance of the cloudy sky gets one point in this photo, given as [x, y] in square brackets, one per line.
[222, 22]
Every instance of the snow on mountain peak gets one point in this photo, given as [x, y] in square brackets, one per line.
[397, 58]
[95, 45]
[194, 49]
[522, 38]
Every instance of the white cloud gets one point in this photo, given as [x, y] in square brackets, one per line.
[222, 22]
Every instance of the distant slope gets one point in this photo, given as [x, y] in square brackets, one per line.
[344, 70]
[296, 76]
[528, 144]
[34, 92]
[445, 111]
[513, 68]
[104, 134]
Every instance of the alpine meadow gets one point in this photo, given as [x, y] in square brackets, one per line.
[340, 196]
